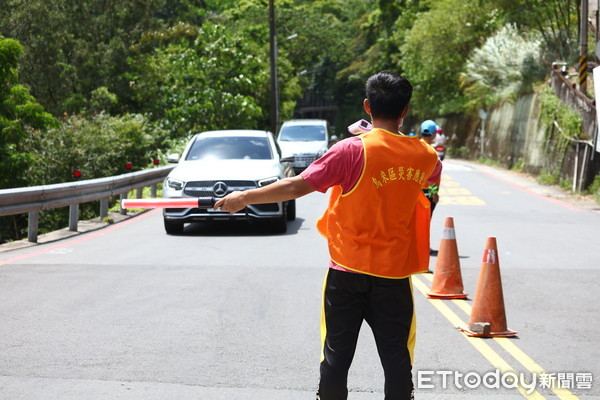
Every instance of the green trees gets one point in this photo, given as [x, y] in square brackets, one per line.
[216, 79]
[74, 47]
[435, 48]
[556, 21]
[20, 114]
[190, 65]
[459, 56]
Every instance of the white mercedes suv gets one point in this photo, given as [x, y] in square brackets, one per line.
[216, 163]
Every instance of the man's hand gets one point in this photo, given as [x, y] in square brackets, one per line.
[283, 190]
[232, 203]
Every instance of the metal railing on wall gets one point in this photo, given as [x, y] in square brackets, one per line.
[578, 170]
[33, 199]
[577, 101]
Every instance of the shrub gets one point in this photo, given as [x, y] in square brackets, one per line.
[562, 124]
[594, 188]
[98, 146]
[459, 152]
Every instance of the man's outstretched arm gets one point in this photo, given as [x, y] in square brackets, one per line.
[283, 190]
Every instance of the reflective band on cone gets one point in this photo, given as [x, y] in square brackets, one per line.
[449, 234]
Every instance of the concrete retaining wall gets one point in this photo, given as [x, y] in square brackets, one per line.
[515, 135]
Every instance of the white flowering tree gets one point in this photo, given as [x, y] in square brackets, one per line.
[502, 68]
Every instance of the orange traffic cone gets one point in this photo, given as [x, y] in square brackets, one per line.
[447, 280]
[488, 318]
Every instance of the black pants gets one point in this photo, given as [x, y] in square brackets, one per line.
[387, 306]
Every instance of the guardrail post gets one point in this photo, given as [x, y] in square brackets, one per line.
[103, 208]
[32, 226]
[121, 197]
[139, 193]
[153, 190]
[73, 217]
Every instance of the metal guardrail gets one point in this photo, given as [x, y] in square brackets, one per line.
[34, 199]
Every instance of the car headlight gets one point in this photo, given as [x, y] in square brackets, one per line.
[267, 181]
[175, 184]
[321, 153]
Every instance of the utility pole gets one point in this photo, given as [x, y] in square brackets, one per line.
[583, 46]
[597, 23]
[483, 115]
[273, 59]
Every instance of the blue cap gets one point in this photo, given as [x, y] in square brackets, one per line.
[428, 127]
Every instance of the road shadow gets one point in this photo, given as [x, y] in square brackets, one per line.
[238, 228]
[436, 254]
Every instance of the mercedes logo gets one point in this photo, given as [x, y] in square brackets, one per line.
[220, 189]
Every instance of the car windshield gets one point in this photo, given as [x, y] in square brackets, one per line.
[304, 133]
[230, 148]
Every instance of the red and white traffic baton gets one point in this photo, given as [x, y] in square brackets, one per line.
[183, 202]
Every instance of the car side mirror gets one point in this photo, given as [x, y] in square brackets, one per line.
[173, 158]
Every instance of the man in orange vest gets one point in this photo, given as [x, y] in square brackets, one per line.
[371, 229]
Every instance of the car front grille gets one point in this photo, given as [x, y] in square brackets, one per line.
[205, 188]
[304, 160]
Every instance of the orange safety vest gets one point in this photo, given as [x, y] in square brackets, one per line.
[381, 226]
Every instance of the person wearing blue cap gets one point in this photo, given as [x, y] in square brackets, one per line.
[428, 129]
[431, 188]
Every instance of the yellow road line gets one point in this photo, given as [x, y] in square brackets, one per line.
[493, 357]
[515, 351]
[463, 305]
[520, 356]
[532, 366]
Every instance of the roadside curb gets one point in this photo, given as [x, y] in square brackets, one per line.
[529, 182]
[82, 227]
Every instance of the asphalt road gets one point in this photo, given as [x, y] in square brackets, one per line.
[231, 311]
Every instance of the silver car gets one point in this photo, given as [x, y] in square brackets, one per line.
[216, 163]
[302, 141]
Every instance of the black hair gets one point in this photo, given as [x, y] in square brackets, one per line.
[388, 94]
